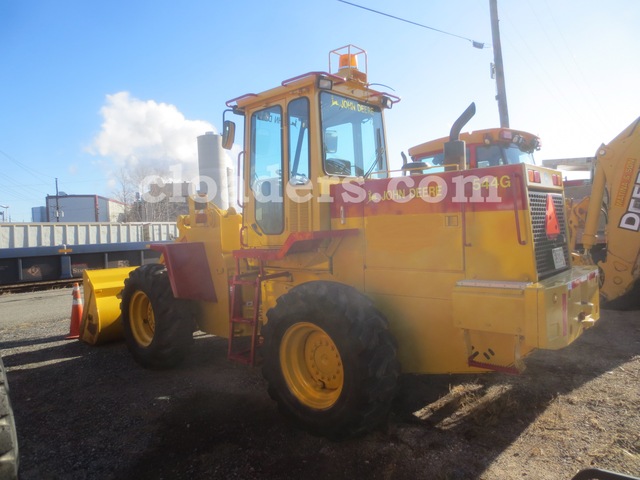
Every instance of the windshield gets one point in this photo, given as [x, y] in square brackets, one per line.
[492, 155]
[353, 137]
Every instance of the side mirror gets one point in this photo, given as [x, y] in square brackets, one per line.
[331, 141]
[228, 134]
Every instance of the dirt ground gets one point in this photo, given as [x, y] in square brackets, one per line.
[92, 413]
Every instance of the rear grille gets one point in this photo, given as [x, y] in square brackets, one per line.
[543, 245]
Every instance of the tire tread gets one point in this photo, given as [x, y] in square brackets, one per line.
[367, 337]
[174, 318]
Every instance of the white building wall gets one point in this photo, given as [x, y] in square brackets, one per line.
[116, 211]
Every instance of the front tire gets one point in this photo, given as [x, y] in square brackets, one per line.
[158, 328]
[330, 360]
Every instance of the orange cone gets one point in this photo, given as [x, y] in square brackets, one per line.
[76, 314]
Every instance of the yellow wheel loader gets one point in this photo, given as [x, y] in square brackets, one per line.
[342, 273]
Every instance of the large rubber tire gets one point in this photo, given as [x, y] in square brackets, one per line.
[330, 360]
[158, 328]
[9, 457]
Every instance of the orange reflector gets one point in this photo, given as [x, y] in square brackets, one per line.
[552, 226]
[536, 176]
[348, 60]
[530, 175]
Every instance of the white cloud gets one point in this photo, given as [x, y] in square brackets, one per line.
[138, 132]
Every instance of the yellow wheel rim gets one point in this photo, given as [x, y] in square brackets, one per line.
[141, 319]
[311, 365]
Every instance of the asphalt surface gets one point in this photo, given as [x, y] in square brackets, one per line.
[31, 307]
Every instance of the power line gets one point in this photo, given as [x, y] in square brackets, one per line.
[475, 43]
[545, 78]
[585, 82]
[11, 192]
[27, 169]
[13, 183]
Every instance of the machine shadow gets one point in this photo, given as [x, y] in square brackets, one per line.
[492, 410]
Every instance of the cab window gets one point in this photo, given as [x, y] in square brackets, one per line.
[493, 155]
[298, 113]
[266, 163]
[353, 137]
[435, 161]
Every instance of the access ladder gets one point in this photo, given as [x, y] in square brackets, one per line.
[238, 350]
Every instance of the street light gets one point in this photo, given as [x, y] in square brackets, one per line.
[4, 214]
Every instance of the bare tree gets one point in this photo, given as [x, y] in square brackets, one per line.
[126, 192]
[150, 194]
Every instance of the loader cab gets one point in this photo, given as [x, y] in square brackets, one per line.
[312, 131]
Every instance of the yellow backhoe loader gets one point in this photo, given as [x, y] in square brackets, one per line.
[614, 201]
[340, 274]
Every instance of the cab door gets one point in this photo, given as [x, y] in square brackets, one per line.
[278, 171]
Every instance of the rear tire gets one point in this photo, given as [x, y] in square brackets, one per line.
[9, 457]
[158, 328]
[330, 360]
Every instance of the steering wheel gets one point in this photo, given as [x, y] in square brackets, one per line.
[337, 166]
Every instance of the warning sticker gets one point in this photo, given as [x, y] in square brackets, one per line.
[558, 258]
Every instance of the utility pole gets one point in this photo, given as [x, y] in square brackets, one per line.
[57, 204]
[501, 96]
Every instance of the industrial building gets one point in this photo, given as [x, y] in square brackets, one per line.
[83, 208]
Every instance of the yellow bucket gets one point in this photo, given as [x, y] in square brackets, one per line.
[101, 310]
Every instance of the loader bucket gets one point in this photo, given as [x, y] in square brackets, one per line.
[101, 312]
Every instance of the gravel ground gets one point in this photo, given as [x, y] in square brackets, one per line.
[92, 413]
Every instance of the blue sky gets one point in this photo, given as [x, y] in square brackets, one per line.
[89, 88]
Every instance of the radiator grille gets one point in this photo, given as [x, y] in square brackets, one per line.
[544, 246]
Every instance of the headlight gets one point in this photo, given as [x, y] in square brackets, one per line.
[325, 83]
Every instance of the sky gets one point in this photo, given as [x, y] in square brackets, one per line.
[88, 89]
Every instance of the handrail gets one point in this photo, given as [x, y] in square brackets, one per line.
[239, 183]
[464, 226]
[229, 103]
[336, 78]
[514, 192]
[243, 242]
